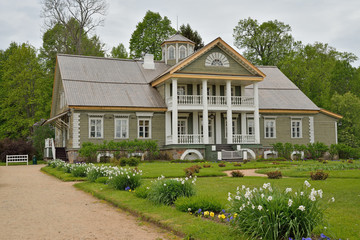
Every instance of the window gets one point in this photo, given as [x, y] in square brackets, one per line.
[250, 127]
[171, 50]
[181, 90]
[182, 52]
[234, 127]
[182, 126]
[96, 127]
[269, 128]
[121, 126]
[296, 128]
[144, 128]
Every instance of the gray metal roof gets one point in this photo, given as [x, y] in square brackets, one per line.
[178, 38]
[93, 81]
[276, 91]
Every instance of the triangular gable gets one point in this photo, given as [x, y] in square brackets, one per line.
[250, 71]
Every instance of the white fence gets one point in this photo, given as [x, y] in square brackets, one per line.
[17, 158]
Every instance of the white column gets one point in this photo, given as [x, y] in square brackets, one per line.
[167, 126]
[177, 52]
[196, 122]
[243, 123]
[336, 133]
[218, 118]
[174, 112]
[205, 117]
[167, 92]
[194, 89]
[229, 112]
[256, 113]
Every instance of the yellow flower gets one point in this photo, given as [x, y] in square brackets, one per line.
[206, 213]
[129, 190]
[212, 214]
[223, 216]
[235, 215]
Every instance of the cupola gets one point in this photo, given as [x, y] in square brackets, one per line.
[176, 48]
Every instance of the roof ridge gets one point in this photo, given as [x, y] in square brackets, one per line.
[105, 58]
[73, 80]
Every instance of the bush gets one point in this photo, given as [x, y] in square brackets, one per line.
[205, 203]
[237, 173]
[283, 150]
[79, 169]
[88, 150]
[274, 175]
[166, 191]
[316, 150]
[123, 161]
[133, 161]
[319, 175]
[207, 166]
[15, 147]
[142, 191]
[269, 213]
[121, 179]
[222, 165]
[237, 164]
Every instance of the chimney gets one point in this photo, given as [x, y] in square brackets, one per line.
[149, 61]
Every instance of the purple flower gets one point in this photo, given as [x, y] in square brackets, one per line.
[199, 211]
[127, 188]
[323, 235]
[223, 210]
[306, 239]
[290, 238]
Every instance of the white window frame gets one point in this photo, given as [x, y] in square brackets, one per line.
[267, 134]
[185, 120]
[171, 52]
[96, 117]
[121, 118]
[138, 127]
[185, 89]
[250, 124]
[182, 48]
[299, 133]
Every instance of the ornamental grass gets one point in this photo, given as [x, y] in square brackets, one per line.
[269, 213]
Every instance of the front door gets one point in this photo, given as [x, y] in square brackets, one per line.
[211, 130]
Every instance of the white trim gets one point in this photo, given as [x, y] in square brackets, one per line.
[76, 130]
[121, 118]
[311, 130]
[186, 125]
[293, 120]
[183, 115]
[234, 126]
[144, 114]
[96, 114]
[191, 151]
[182, 47]
[217, 56]
[102, 126]
[138, 127]
[121, 115]
[336, 133]
[266, 120]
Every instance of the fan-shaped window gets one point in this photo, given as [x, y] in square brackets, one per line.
[171, 50]
[217, 59]
[182, 52]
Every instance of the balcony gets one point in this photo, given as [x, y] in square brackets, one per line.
[198, 139]
[243, 139]
[221, 101]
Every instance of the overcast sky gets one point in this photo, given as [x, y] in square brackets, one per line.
[328, 21]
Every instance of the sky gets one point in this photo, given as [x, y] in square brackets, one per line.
[328, 21]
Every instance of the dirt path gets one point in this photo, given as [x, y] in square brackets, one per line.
[247, 172]
[34, 205]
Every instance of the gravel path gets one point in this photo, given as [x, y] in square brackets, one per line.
[34, 205]
[247, 172]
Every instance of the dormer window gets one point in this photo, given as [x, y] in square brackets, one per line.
[171, 50]
[217, 59]
[182, 52]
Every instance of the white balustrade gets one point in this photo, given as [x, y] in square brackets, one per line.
[243, 138]
[242, 101]
[190, 139]
[189, 100]
[217, 100]
[212, 100]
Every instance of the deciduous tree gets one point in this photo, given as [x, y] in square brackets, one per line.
[119, 51]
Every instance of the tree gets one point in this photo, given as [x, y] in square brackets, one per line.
[264, 44]
[194, 36]
[119, 51]
[25, 92]
[149, 34]
[68, 12]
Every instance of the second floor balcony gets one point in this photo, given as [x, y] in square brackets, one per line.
[220, 101]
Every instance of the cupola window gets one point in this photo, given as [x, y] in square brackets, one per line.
[171, 50]
[182, 52]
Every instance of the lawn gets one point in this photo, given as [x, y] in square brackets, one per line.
[343, 216]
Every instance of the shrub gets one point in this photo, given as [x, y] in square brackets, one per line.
[88, 150]
[319, 175]
[269, 213]
[283, 150]
[205, 203]
[121, 179]
[189, 172]
[316, 150]
[237, 164]
[274, 175]
[142, 191]
[15, 147]
[207, 166]
[222, 165]
[133, 161]
[196, 168]
[237, 173]
[123, 161]
[94, 172]
[350, 161]
[166, 191]
[79, 169]
[245, 161]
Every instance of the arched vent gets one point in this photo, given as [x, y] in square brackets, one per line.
[217, 59]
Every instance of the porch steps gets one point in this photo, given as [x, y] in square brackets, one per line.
[61, 154]
[224, 147]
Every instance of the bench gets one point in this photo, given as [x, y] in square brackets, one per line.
[17, 158]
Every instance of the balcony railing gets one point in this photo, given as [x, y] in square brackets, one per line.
[243, 138]
[188, 100]
[190, 139]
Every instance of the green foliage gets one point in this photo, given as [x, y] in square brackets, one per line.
[38, 138]
[89, 151]
[237, 173]
[119, 52]
[79, 170]
[166, 191]
[270, 213]
[316, 150]
[205, 203]
[274, 175]
[142, 191]
[133, 161]
[263, 44]
[125, 179]
[95, 172]
[194, 36]
[149, 34]
[122, 161]
[284, 150]
[15, 147]
[24, 92]
[319, 175]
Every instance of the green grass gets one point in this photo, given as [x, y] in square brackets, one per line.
[22, 163]
[66, 177]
